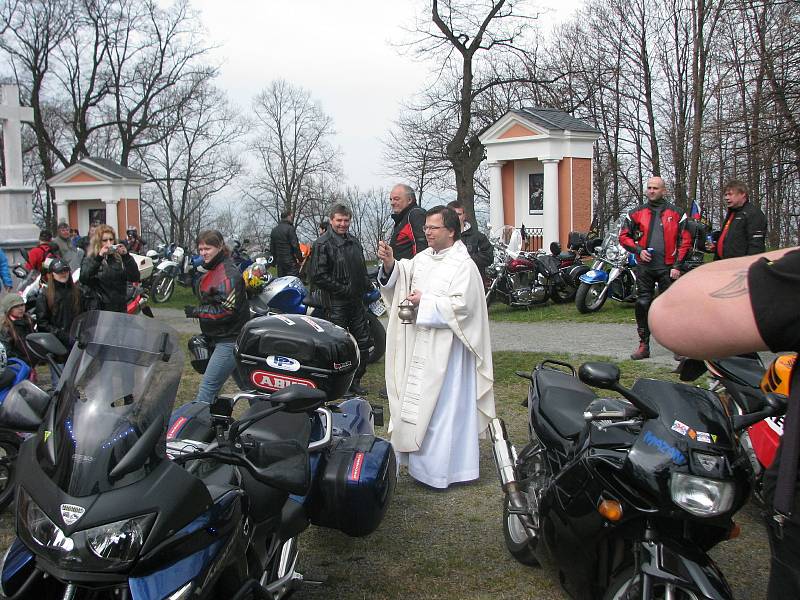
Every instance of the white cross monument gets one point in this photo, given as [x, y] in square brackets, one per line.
[16, 227]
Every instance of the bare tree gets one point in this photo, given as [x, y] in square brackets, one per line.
[293, 150]
[196, 156]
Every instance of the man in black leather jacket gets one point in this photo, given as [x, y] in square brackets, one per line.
[745, 227]
[478, 245]
[284, 247]
[338, 274]
[407, 238]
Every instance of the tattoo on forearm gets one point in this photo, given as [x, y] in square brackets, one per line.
[737, 287]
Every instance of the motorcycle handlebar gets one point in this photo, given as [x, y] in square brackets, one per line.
[776, 406]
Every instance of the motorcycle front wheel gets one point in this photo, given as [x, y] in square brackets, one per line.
[163, 288]
[628, 585]
[378, 338]
[590, 297]
[518, 543]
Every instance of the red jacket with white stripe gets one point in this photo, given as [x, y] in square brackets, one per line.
[223, 306]
[634, 234]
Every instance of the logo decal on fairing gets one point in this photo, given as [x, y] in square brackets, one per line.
[283, 362]
[277, 381]
[656, 442]
[71, 513]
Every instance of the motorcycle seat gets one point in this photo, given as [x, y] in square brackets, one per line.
[567, 256]
[562, 401]
[744, 370]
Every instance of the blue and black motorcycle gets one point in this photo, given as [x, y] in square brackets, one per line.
[613, 275]
[114, 501]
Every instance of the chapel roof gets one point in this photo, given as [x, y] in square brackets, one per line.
[111, 169]
[554, 119]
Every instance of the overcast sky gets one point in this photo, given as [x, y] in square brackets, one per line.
[341, 51]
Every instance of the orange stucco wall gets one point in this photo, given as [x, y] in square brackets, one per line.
[82, 176]
[581, 194]
[564, 200]
[517, 130]
[507, 180]
[127, 215]
[72, 207]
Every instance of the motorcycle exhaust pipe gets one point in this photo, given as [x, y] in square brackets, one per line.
[505, 456]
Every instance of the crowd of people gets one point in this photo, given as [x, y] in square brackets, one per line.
[439, 374]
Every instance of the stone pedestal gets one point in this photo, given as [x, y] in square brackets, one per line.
[16, 229]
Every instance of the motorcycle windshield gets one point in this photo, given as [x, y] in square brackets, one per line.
[121, 377]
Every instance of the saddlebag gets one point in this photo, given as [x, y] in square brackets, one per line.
[357, 483]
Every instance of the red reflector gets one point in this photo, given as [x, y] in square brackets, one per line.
[176, 427]
[358, 462]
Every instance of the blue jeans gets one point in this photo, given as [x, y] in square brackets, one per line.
[220, 366]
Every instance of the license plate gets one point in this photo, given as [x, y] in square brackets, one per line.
[377, 308]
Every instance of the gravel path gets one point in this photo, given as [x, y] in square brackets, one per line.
[614, 340]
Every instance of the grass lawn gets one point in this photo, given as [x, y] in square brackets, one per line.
[449, 544]
[612, 312]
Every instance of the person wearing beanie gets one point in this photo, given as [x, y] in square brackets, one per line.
[656, 234]
[15, 324]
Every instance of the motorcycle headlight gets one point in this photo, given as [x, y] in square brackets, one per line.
[701, 496]
[39, 526]
[612, 253]
[120, 541]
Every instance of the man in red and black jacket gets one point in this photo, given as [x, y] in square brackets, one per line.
[407, 238]
[37, 255]
[656, 234]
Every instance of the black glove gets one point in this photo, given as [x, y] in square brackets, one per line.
[190, 311]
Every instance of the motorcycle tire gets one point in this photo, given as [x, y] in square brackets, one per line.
[519, 545]
[378, 334]
[626, 585]
[584, 301]
[163, 288]
[9, 448]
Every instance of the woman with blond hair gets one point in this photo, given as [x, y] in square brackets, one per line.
[106, 271]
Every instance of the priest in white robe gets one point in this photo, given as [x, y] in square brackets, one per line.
[439, 375]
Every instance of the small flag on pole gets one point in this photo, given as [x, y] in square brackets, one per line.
[695, 211]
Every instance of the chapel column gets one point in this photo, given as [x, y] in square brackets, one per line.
[62, 211]
[111, 216]
[496, 216]
[550, 216]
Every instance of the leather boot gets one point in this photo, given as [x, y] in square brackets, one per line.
[643, 351]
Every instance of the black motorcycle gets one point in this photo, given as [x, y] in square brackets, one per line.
[629, 495]
[106, 508]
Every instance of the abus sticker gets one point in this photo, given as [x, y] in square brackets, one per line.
[71, 513]
[277, 381]
[283, 362]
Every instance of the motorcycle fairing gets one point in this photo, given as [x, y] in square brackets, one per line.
[165, 582]
[169, 267]
[284, 294]
[17, 556]
[594, 276]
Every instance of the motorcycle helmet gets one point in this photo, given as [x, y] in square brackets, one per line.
[255, 277]
[200, 349]
[778, 375]
[131, 231]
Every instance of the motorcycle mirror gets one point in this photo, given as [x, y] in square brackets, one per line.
[690, 369]
[43, 344]
[599, 374]
[140, 452]
[20, 272]
[555, 248]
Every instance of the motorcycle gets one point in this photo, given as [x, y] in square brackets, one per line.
[106, 509]
[737, 380]
[22, 407]
[628, 494]
[613, 275]
[178, 267]
[287, 295]
[517, 278]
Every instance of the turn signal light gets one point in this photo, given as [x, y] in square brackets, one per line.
[610, 509]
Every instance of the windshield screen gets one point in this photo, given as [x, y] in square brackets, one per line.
[121, 377]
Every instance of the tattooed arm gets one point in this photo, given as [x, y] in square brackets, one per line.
[707, 312]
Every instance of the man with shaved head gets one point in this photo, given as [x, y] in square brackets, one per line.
[655, 232]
